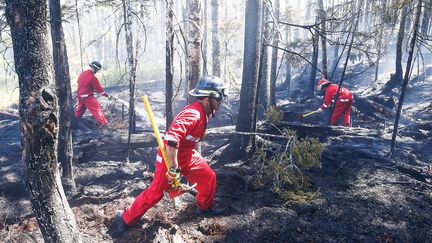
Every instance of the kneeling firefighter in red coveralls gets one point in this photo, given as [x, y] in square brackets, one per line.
[182, 136]
[343, 104]
[87, 84]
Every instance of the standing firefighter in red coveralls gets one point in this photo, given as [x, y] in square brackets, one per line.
[185, 132]
[343, 104]
[87, 84]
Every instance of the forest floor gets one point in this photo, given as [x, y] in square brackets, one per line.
[363, 194]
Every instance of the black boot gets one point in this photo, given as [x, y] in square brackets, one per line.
[121, 226]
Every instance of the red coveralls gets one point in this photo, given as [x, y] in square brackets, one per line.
[87, 83]
[187, 129]
[343, 105]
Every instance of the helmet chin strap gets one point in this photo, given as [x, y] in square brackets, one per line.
[208, 106]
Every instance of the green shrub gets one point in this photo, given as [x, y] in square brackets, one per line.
[281, 167]
[274, 115]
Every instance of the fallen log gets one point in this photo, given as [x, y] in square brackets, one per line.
[8, 114]
[372, 108]
[104, 141]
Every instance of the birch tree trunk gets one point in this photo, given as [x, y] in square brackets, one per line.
[64, 93]
[39, 120]
[194, 43]
[127, 15]
[264, 100]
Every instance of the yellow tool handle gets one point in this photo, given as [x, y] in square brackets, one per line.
[310, 113]
[155, 130]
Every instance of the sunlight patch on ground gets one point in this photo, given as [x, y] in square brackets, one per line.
[11, 177]
[370, 186]
[391, 225]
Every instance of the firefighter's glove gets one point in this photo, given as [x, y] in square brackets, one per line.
[173, 175]
[110, 97]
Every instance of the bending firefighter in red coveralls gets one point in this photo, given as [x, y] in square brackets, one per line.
[343, 104]
[87, 84]
[185, 132]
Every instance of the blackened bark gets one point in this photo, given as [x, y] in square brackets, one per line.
[169, 65]
[353, 29]
[79, 33]
[379, 51]
[205, 41]
[274, 59]
[407, 74]
[287, 81]
[399, 42]
[323, 16]
[186, 63]
[194, 42]
[314, 61]
[216, 59]
[425, 23]
[64, 94]
[248, 92]
[39, 120]
[335, 61]
[396, 79]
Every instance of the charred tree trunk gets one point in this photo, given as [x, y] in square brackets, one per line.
[274, 60]
[264, 101]
[308, 15]
[379, 49]
[127, 15]
[314, 61]
[249, 86]
[425, 23]
[185, 57]
[39, 120]
[287, 81]
[355, 22]
[323, 16]
[64, 93]
[205, 41]
[169, 62]
[194, 42]
[335, 61]
[396, 79]
[407, 73]
[79, 33]
[216, 59]
[399, 72]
